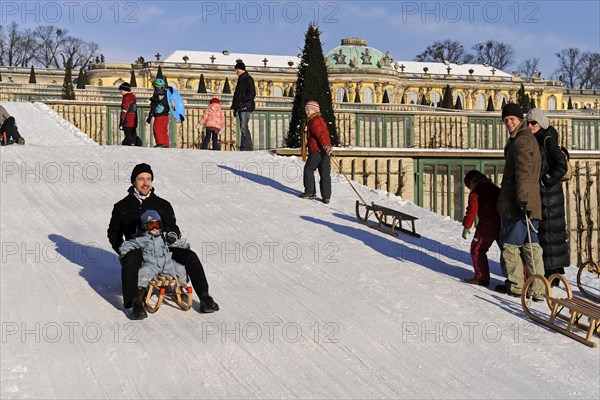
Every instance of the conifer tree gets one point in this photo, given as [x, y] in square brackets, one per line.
[132, 80]
[458, 104]
[503, 102]
[81, 79]
[357, 97]
[386, 98]
[159, 73]
[226, 87]
[490, 104]
[68, 91]
[32, 75]
[202, 84]
[523, 99]
[0, 76]
[312, 84]
[570, 104]
[533, 103]
[447, 99]
[345, 98]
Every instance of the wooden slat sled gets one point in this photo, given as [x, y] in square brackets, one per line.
[387, 220]
[592, 267]
[579, 310]
[172, 288]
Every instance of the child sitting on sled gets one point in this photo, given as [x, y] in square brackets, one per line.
[157, 258]
[482, 204]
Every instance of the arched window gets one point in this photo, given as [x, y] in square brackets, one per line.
[367, 95]
[277, 91]
[462, 99]
[389, 95]
[503, 100]
[480, 103]
[412, 98]
[436, 99]
[551, 103]
[339, 95]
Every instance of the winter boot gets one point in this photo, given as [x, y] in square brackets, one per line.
[475, 281]
[138, 311]
[21, 141]
[208, 305]
[308, 195]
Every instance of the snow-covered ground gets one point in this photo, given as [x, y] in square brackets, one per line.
[313, 304]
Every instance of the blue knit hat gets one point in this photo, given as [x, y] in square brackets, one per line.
[149, 215]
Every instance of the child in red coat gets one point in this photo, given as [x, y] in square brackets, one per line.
[482, 204]
[128, 120]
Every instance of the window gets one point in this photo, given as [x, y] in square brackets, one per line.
[480, 103]
[436, 98]
[413, 97]
[277, 91]
[368, 95]
[339, 95]
[551, 103]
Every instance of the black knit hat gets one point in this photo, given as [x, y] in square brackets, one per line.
[125, 86]
[139, 169]
[512, 109]
[240, 65]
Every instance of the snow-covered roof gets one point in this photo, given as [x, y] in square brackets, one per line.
[437, 68]
[227, 58]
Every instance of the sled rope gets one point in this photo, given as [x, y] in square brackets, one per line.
[337, 165]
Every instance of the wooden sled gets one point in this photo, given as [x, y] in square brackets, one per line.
[578, 308]
[388, 221]
[172, 288]
[594, 268]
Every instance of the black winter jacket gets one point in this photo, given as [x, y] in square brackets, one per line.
[159, 106]
[245, 92]
[126, 215]
[553, 228]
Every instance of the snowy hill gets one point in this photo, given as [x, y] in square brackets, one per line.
[313, 304]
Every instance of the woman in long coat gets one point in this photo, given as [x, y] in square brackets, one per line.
[553, 228]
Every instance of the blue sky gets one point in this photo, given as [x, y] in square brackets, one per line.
[128, 29]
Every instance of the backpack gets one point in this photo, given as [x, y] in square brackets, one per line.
[569, 174]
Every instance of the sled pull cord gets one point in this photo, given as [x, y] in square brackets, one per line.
[337, 164]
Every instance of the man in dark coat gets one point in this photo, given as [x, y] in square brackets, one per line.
[519, 204]
[243, 104]
[123, 226]
[553, 227]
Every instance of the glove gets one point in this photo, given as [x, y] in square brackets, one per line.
[149, 119]
[522, 209]
[171, 237]
[466, 231]
[327, 150]
[182, 118]
[121, 124]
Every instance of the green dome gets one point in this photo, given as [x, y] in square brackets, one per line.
[354, 53]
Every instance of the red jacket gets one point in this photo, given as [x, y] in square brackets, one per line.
[482, 203]
[318, 135]
[128, 117]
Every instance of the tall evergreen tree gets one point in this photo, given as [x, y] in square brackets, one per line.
[132, 80]
[386, 98]
[447, 99]
[312, 84]
[159, 73]
[570, 104]
[226, 87]
[533, 103]
[81, 79]
[68, 91]
[503, 102]
[32, 75]
[357, 97]
[523, 99]
[202, 84]
[458, 104]
[0, 76]
[490, 104]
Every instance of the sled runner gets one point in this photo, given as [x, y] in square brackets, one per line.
[579, 309]
[388, 221]
[172, 288]
[594, 268]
